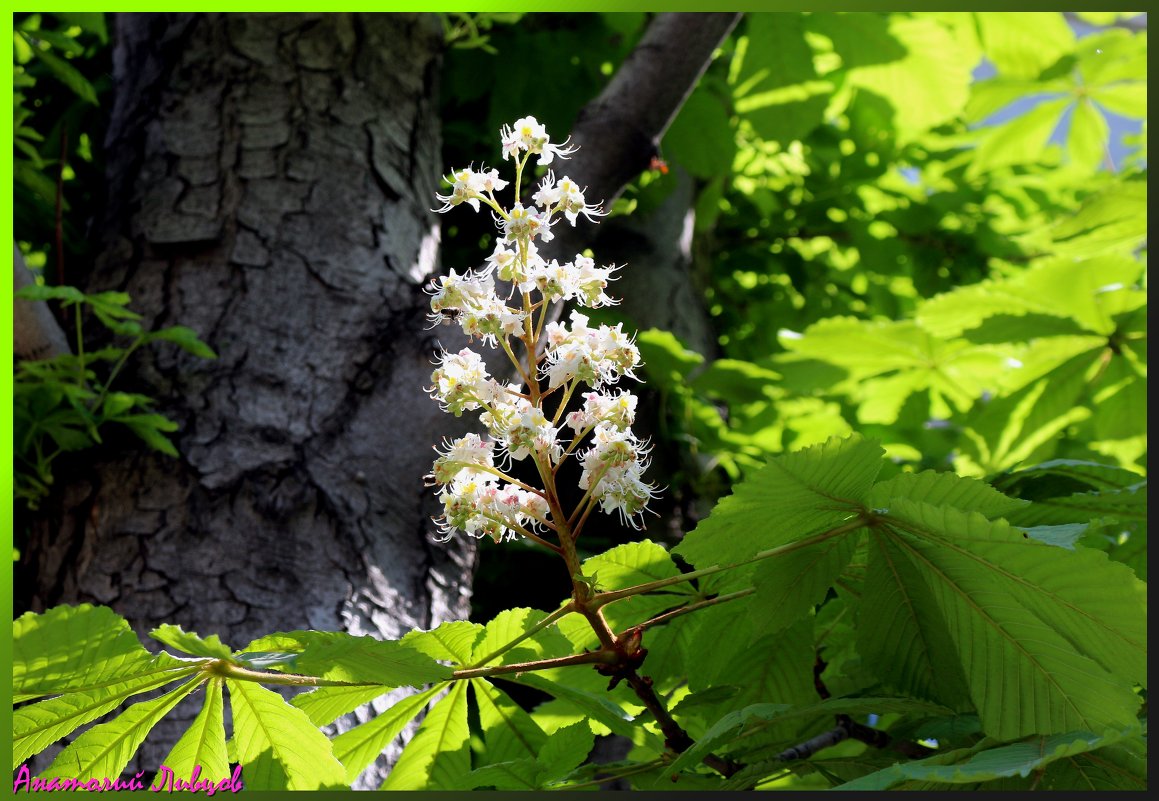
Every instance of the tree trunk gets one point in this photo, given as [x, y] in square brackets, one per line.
[271, 178]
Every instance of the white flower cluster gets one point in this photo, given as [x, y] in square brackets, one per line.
[477, 496]
[475, 500]
[529, 136]
[596, 356]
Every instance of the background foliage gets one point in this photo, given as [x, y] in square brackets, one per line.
[921, 240]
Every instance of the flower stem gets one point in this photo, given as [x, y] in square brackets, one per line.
[660, 620]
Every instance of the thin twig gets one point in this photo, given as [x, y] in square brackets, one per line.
[660, 620]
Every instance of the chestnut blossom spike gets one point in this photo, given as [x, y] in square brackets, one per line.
[476, 496]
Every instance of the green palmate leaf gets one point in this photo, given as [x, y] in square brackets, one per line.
[148, 428]
[277, 745]
[631, 564]
[46, 646]
[789, 586]
[944, 489]
[1018, 759]
[792, 496]
[666, 360]
[1118, 766]
[58, 40]
[1114, 219]
[1049, 640]
[914, 63]
[1004, 37]
[38, 725]
[1111, 57]
[508, 732]
[439, 757]
[74, 648]
[360, 746]
[1125, 99]
[1114, 521]
[1025, 425]
[112, 306]
[116, 403]
[67, 294]
[993, 94]
[67, 74]
[106, 749]
[737, 381]
[564, 751]
[338, 656]
[203, 743]
[454, 641]
[25, 173]
[509, 625]
[1019, 141]
[190, 643]
[1044, 480]
[598, 707]
[1057, 287]
[1088, 137]
[701, 137]
[886, 362]
[722, 732]
[668, 649]
[324, 705]
[776, 86]
[902, 635]
[1128, 504]
[1119, 396]
[186, 338]
[775, 668]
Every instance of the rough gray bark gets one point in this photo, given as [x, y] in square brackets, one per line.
[271, 179]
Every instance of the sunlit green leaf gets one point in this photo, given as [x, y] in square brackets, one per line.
[338, 656]
[189, 643]
[1066, 648]
[277, 745]
[438, 758]
[77, 648]
[508, 731]
[203, 743]
[1014, 53]
[106, 749]
[358, 747]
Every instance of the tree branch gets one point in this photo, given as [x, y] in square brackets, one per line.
[848, 729]
[620, 130]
